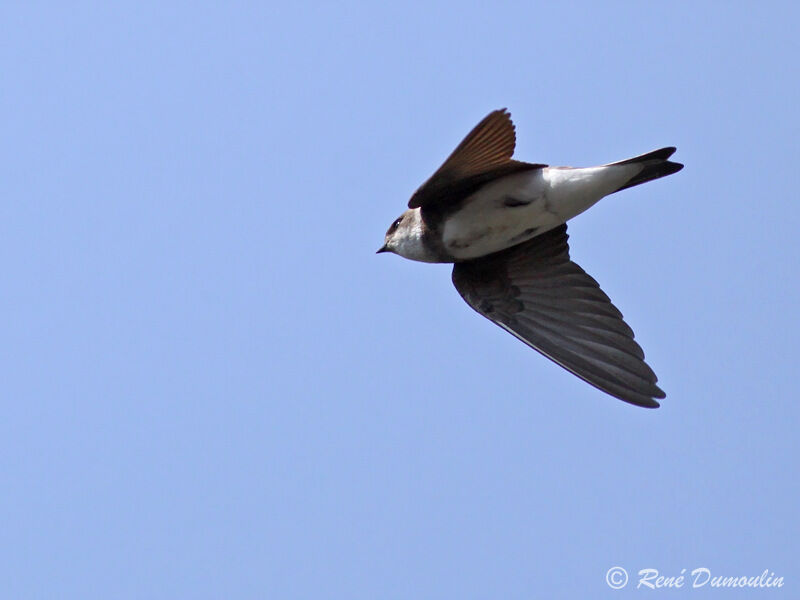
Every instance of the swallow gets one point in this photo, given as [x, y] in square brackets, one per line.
[502, 223]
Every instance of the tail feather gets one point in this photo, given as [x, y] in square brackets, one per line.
[655, 165]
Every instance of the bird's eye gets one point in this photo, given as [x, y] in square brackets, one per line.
[395, 224]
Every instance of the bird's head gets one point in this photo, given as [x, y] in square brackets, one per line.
[404, 237]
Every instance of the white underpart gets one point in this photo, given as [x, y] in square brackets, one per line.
[554, 195]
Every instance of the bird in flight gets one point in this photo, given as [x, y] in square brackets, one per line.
[502, 222]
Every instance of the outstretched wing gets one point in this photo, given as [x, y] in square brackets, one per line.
[535, 292]
[484, 155]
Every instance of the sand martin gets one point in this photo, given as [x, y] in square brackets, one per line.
[502, 223]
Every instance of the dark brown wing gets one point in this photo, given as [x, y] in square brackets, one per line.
[536, 293]
[484, 155]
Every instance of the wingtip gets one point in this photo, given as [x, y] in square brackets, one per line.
[658, 393]
[502, 112]
[644, 399]
[641, 402]
[649, 403]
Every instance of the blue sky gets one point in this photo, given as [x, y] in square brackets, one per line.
[213, 388]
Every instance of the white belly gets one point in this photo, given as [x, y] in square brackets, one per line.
[520, 207]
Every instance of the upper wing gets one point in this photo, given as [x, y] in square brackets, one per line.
[484, 155]
[536, 293]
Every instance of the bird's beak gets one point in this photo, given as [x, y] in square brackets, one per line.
[382, 249]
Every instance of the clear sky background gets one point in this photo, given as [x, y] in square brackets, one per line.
[213, 388]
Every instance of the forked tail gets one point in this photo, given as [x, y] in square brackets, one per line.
[655, 165]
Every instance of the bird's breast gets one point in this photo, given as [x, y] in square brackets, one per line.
[498, 216]
[519, 207]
